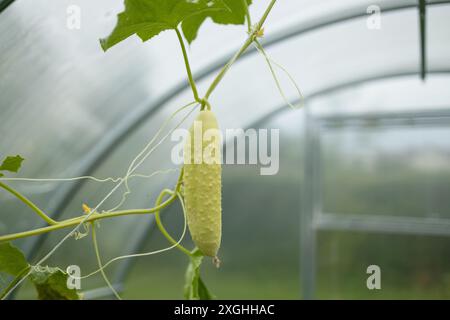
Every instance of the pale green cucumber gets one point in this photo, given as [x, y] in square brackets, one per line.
[203, 183]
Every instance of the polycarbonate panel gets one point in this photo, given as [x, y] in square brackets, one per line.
[391, 171]
[385, 96]
[437, 35]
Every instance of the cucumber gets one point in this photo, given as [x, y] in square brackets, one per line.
[202, 182]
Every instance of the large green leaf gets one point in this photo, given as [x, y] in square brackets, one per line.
[51, 284]
[194, 288]
[12, 260]
[148, 18]
[235, 14]
[11, 163]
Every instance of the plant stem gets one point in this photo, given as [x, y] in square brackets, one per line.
[11, 285]
[161, 226]
[29, 203]
[78, 220]
[227, 66]
[247, 16]
[95, 216]
[266, 14]
[244, 47]
[99, 261]
[188, 66]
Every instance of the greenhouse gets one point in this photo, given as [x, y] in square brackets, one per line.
[332, 178]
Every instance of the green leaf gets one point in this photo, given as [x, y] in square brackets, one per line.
[203, 292]
[194, 288]
[234, 14]
[148, 18]
[12, 163]
[51, 284]
[12, 260]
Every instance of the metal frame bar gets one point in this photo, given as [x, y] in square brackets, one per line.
[423, 43]
[5, 4]
[131, 123]
[382, 224]
[307, 232]
[397, 115]
[385, 119]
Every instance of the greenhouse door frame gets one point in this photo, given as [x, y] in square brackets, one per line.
[313, 219]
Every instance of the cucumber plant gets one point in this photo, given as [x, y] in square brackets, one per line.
[199, 184]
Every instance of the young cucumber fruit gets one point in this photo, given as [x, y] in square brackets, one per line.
[203, 183]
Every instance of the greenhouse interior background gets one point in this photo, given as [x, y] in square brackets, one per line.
[364, 174]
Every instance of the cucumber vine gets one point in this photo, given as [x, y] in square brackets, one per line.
[146, 19]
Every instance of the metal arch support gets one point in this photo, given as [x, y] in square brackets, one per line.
[423, 43]
[5, 4]
[308, 241]
[341, 86]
